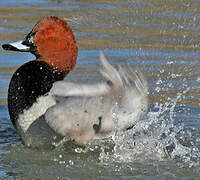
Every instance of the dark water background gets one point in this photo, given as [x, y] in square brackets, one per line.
[159, 38]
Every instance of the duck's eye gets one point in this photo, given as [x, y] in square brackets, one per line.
[48, 32]
[29, 40]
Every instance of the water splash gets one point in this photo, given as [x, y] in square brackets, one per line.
[159, 137]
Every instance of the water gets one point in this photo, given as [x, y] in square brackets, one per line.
[158, 38]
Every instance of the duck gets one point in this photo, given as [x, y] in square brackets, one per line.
[45, 107]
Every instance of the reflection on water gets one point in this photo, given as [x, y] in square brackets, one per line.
[160, 39]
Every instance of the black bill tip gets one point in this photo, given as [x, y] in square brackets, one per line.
[9, 47]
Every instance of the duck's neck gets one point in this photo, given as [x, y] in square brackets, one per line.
[29, 82]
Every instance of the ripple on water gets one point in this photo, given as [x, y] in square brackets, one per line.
[159, 39]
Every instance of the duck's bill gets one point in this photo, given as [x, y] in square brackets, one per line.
[17, 46]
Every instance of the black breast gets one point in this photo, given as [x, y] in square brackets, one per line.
[30, 81]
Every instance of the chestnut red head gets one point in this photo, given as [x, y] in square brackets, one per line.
[51, 41]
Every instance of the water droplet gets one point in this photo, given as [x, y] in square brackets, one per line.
[157, 89]
[71, 162]
[173, 75]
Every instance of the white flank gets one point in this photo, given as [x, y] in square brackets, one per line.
[37, 109]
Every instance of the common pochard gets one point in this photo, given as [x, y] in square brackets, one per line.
[44, 108]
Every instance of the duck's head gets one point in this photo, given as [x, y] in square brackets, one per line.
[51, 41]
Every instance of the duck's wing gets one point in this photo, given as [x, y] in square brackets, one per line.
[86, 112]
[67, 89]
[114, 83]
